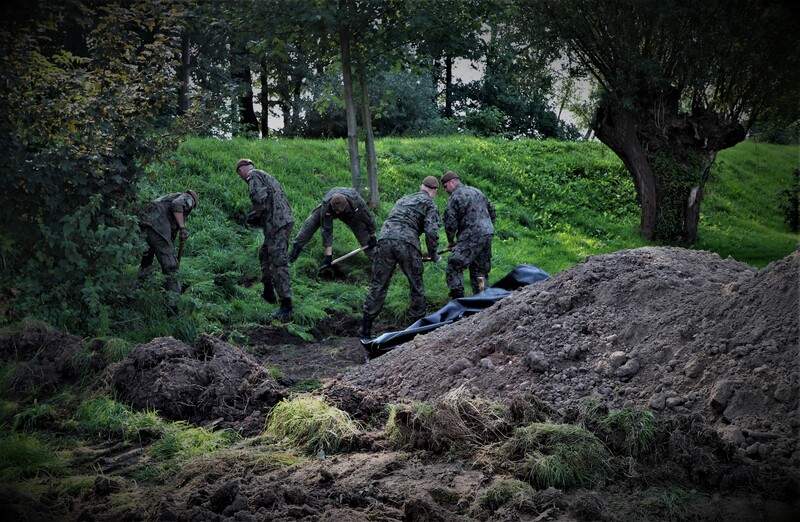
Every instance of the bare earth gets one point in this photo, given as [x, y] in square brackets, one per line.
[711, 346]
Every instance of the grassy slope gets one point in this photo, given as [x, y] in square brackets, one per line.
[557, 203]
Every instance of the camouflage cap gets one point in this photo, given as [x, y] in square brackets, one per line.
[431, 182]
[338, 203]
[242, 162]
[194, 196]
[448, 176]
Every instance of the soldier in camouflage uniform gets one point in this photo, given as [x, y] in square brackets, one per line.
[399, 244]
[272, 212]
[469, 224]
[164, 219]
[339, 203]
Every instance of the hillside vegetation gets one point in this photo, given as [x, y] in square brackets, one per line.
[557, 203]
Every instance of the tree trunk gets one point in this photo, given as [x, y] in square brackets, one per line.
[244, 84]
[350, 109]
[369, 142]
[669, 155]
[448, 86]
[616, 128]
[186, 65]
[263, 98]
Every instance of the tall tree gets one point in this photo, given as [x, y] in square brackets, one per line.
[679, 81]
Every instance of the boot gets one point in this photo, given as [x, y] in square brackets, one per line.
[294, 255]
[457, 294]
[285, 311]
[364, 331]
[269, 293]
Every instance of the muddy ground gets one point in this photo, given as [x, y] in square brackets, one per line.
[708, 345]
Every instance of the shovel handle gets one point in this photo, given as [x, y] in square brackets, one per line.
[350, 254]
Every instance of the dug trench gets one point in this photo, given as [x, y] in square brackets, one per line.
[705, 347]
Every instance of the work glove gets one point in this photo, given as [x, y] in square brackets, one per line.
[294, 255]
[183, 233]
[327, 261]
[435, 257]
[373, 242]
[253, 219]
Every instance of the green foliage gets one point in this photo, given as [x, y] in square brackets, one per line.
[789, 203]
[78, 124]
[557, 455]
[24, 455]
[308, 422]
[501, 493]
[181, 441]
[673, 504]
[638, 430]
[34, 417]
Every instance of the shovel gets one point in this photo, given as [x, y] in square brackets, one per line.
[327, 268]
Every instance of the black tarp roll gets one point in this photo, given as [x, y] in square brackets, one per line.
[520, 276]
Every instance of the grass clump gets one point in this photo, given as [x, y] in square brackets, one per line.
[23, 455]
[635, 431]
[501, 493]
[180, 441]
[672, 504]
[308, 422]
[557, 455]
[452, 423]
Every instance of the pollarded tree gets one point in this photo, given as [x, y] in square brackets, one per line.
[679, 81]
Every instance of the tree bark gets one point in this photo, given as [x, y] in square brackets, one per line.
[448, 86]
[369, 141]
[263, 98]
[350, 109]
[669, 156]
[616, 128]
[244, 83]
[186, 65]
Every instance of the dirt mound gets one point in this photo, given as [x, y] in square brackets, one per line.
[208, 382]
[45, 359]
[677, 331]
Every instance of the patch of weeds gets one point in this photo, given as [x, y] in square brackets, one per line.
[299, 331]
[499, 494]
[673, 504]
[116, 349]
[274, 372]
[148, 474]
[181, 441]
[591, 410]
[306, 386]
[444, 496]
[451, 424]
[36, 416]
[23, 455]
[308, 422]
[8, 376]
[102, 417]
[558, 455]
[635, 431]
[7, 411]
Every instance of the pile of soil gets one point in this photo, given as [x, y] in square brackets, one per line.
[709, 345]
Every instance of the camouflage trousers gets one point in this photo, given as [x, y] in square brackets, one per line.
[163, 250]
[274, 259]
[390, 253]
[474, 254]
[313, 223]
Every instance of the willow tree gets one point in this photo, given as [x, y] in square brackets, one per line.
[679, 81]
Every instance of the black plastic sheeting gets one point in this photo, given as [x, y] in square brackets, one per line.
[520, 276]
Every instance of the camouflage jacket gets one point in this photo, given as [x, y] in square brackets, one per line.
[269, 200]
[411, 216]
[160, 213]
[468, 213]
[357, 211]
